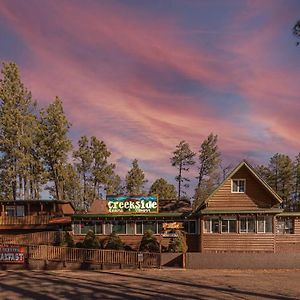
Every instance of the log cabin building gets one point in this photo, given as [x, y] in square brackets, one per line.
[243, 214]
[34, 215]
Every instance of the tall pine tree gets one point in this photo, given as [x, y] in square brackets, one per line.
[183, 158]
[135, 179]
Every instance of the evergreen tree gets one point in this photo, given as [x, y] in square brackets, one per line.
[114, 242]
[165, 190]
[90, 241]
[149, 242]
[209, 162]
[182, 159]
[296, 183]
[20, 169]
[135, 179]
[281, 170]
[71, 187]
[83, 161]
[55, 145]
[178, 244]
[101, 169]
[113, 186]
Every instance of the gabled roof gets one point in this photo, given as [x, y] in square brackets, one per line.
[235, 170]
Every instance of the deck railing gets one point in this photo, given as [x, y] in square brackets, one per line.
[93, 256]
[26, 220]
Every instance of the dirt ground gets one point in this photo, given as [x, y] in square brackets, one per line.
[151, 284]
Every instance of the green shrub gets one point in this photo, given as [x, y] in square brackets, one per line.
[149, 242]
[67, 240]
[114, 242]
[90, 241]
[178, 244]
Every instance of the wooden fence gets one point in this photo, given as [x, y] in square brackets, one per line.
[92, 256]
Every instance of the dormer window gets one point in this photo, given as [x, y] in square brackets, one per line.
[238, 185]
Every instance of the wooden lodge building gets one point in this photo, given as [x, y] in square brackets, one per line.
[242, 215]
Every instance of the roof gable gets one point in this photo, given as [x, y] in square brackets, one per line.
[244, 164]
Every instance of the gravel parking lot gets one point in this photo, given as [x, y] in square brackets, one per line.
[151, 284]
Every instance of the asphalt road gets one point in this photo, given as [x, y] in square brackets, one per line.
[151, 284]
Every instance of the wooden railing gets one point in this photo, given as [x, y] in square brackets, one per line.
[93, 256]
[26, 220]
[35, 238]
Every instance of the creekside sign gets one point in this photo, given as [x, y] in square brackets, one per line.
[12, 254]
[132, 204]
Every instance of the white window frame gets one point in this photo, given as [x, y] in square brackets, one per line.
[228, 227]
[247, 224]
[239, 180]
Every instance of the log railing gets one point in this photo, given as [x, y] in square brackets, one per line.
[26, 220]
[93, 256]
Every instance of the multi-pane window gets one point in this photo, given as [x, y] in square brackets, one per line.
[264, 224]
[229, 225]
[212, 225]
[247, 224]
[119, 227]
[238, 185]
[285, 225]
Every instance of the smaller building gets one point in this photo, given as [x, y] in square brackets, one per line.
[34, 215]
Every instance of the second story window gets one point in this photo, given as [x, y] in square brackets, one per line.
[238, 185]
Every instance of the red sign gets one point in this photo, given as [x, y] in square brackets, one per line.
[12, 254]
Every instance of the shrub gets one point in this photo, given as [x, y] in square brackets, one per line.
[114, 242]
[90, 241]
[149, 242]
[67, 240]
[178, 244]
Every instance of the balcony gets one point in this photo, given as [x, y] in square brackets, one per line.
[33, 220]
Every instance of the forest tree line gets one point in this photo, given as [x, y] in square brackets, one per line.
[37, 154]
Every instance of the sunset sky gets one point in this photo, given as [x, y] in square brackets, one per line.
[143, 75]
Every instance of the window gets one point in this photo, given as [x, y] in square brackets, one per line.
[86, 227]
[139, 228]
[119, 227]
[10, 211]
[20, 211]
[211, 225]
[190, 227]
[229, 225]
[238, 185]
[285, 226]
[76, 228]
[247, 224]
[130, 228]
[264, 224]
[107, 228]
[149, 226]
[98, 229]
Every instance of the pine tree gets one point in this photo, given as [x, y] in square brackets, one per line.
[101, 170]
[296, 183]
[149, 242]
[281, 169]
[135, 179]
[113, 186]
[55, 145]
[20, 168]
[83, 161]
[209, 160]
[182, 159]
[114, 242]
[165, 190]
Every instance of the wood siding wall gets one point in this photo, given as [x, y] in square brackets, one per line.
[256, 196]
[237, 242]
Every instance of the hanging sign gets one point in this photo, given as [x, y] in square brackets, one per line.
[12, 254]
[132, 204]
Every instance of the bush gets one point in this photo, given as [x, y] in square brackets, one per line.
[114, 242]
[178, 244]
[67, 240]
[90, 241]
[149, 242]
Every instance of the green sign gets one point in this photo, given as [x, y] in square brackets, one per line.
[132, 204]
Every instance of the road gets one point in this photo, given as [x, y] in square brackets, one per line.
[151, 284]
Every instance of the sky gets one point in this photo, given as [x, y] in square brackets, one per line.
[144, 75]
